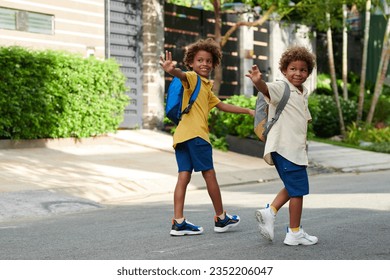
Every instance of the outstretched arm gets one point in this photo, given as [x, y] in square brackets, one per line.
[169, 66]
[234, 109]
[256, 77]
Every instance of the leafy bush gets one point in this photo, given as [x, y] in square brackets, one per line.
[369, 137]
[367, 133]
[324, 84]
[222, 123]
[219, 143]
[51, 94]
[325, 117]
[382, 110]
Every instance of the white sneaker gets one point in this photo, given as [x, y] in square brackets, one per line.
[299, 238]
[266, 220]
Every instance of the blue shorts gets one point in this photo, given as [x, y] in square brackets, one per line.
[294, 176]
[194, 154]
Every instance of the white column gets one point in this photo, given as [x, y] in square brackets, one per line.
[246, 54]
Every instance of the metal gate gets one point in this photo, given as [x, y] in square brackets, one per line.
[123, 42]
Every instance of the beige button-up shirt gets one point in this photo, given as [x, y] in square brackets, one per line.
[288, 135]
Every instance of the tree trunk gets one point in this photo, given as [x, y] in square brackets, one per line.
[345, 53]
[222, 40]
[382, 70]
[364, 62]
[217, 38]
[333, 75]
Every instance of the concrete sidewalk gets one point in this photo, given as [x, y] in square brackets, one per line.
[54, 176]
[130, 163]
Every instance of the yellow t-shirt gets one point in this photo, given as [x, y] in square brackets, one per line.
[195, 123]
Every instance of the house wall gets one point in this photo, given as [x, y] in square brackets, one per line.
[79, 26]
[283, 37]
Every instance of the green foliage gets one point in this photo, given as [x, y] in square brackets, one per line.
[222, 123]
[366, 133]
[369, 137]
[324, 84]
[325, 118]
[205, 4]
[380, 147]
[51, 94]
[382, 111]
[218, 142]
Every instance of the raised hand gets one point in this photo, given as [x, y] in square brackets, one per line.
[167, 64]
[255, 74]
[257, 80]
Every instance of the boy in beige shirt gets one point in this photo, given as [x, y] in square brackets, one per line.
[286, 143]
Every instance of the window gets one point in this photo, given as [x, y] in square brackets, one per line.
[7, 19]
[26, 21]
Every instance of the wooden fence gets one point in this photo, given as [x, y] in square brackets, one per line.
[184, 26]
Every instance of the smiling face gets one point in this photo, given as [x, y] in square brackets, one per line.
[203, 63]
[297, 73]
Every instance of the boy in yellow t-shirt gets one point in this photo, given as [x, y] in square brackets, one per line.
[191, 141]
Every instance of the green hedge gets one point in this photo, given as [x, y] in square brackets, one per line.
[52, 94]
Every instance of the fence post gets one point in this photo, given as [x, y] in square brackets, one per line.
[246, 54]
[153, 76]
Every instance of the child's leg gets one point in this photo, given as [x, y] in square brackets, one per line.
[183, 180]
[295, 210]
[213, 190]
[295, 206]
[295, 234]
[281, 198]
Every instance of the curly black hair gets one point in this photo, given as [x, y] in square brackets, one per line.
[297, 53]
[208, 45]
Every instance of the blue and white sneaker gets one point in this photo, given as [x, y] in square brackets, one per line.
[185, 228]
[227, 223]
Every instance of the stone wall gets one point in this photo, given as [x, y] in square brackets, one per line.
[153, 75]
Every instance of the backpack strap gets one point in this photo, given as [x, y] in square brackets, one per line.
[279, 108]
[193, 97]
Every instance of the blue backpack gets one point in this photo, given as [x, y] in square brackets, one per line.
[175, 99]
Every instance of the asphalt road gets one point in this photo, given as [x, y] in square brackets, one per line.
[349, 213]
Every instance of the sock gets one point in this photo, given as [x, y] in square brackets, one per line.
[180, 220]
[296, 229]
[222, 216]
[274, 211]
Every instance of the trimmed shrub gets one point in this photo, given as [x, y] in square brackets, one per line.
[52, 94]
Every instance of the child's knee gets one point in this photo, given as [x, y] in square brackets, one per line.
[209, 174]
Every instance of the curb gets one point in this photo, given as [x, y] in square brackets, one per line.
[53, 143]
